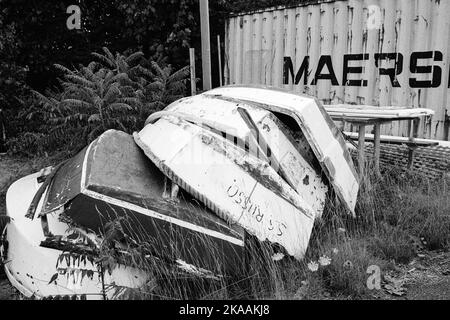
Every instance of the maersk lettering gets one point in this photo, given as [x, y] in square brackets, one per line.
[325, 61]
[392, 73]
[435, 70]
[303, 70]
[423, 65]
[358, 69]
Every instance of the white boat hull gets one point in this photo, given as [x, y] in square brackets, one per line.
[220, 113]
[41, 272]
[322, 134]
[232, 182]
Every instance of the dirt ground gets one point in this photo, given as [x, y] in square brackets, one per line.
[427, 277]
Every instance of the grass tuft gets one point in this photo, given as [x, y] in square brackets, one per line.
[398, 214]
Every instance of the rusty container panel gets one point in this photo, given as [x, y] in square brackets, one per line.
[373, 52]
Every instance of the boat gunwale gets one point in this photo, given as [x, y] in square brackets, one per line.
[325, 162]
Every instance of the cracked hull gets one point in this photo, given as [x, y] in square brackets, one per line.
[234, 184]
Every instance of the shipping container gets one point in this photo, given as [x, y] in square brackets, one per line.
[370, 52]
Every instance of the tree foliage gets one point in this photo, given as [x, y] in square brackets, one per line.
[34, 37]
[161, 29]
[112, 92]
[14, 91]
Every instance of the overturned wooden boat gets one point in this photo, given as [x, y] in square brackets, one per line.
[261, 133]
[236, 185]
[316, 126]
[235, 150]
[192, 183]
[111, 180]
[38, 271]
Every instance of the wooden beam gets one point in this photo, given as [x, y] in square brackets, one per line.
[192, 65]
[206, 47]
[377, 112]
[376, 147]
[395, 139]
[361, 157]
[265, 150]
[416, 123]
[414, 133]
[219, 53]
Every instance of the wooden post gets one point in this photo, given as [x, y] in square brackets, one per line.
[206, 48]
[219, 53]
[412, 136]
[376, 147]
[192, 64]
[361, 158]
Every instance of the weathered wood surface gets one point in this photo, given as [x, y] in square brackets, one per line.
[284, 153]
[387, 112]
[395, 140]
[30, 267]
[320, 131]
[235, 184]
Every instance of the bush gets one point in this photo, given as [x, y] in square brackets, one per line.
[114, 92]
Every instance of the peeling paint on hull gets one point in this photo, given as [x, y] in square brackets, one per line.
[316, 125]
[236, 185]
[30, 267]
[110, 178]
[219, 147]
[305, 179]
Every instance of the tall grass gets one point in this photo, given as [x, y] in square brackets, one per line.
[393, 211]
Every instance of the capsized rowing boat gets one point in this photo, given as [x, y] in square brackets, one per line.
[114, 177]
[294, 160]
[46, 272]
[236, 185]
[319, 130]
[235, 149]
[110, 180]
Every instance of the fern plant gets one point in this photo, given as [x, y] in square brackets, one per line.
[94, 99]
[132, 65]
[166, 85]
[156, 84]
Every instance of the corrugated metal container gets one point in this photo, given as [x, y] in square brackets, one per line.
[374, 52]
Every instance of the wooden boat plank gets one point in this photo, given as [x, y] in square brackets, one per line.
[211, 111]
[269, 209]
[324, 137]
